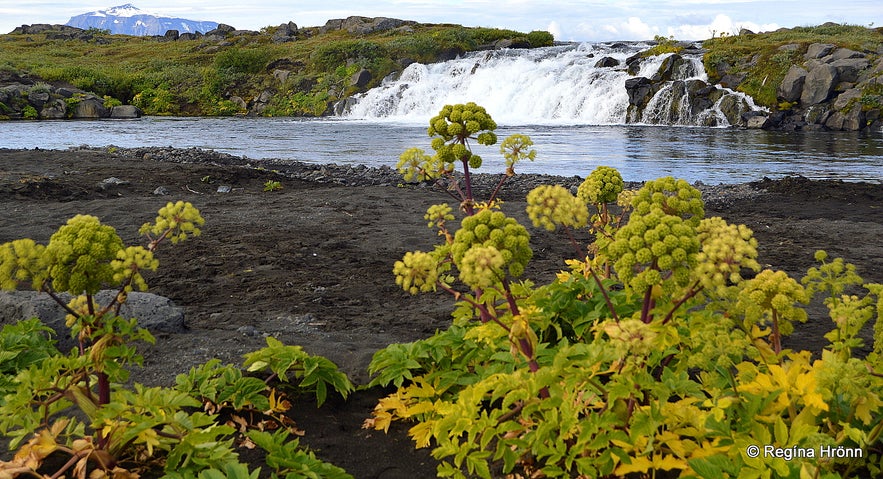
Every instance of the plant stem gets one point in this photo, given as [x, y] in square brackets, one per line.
[604, 293]
[646, 317]
[468, 202]
[693, 292]
[777, 340]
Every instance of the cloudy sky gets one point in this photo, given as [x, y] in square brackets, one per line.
[591, 20]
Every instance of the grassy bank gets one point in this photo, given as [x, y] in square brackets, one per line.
[211, 77]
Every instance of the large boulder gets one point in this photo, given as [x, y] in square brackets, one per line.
[361, 78]
[607, 62]
[849, 69]
[155, 313]
[819, 50]
[819, 84]
[91, 108]
[851, 119]
[125, 112]
[792, 85]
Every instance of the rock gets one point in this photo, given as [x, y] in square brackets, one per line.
[733, 107]
[510, 43]
[364, 25]
[161, 191]
[90, 108]
[172, 35]
[607, 62]
[792, 85]
[331, 25]
[846, 98]
[361, 78]
[285, 32]
[125, 112]
[54, 110]
[851, 120]
[38, 98]
[843, 54]
[639, 90]
[225, 28]
[816, 114]
[154, 313]
[819, 50]
[111, 182]
[819, 84]
[790, 47]
[225, 189]
[849, 69]
[731, 80]
[745, 31]
[757, 121]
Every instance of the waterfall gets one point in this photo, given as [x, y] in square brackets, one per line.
[568, 84]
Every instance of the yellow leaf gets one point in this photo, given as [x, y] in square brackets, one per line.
[150, 439]
[421, 433]
[637, 464]
[668, 462]
[382, 420]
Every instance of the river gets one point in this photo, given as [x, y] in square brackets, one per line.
[710, 155]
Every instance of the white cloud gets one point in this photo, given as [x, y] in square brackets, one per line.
[637, 29]
[722, 24]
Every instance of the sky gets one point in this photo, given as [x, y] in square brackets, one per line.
[567, 20]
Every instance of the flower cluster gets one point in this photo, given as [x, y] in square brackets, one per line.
[651, 244]
[437, 215]
[454, 125]
[128, 266]
[495, 229]
[726, 249]
[416, 272]
[772, 292]
[80, 253]
[177, 221]
[673, 197]
[660, 239]
[22, 260]
[415, 166]
[516, 148]
[482, 267]
[603, 185]
[549, 206]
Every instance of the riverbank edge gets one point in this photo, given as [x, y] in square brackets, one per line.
[516, 187]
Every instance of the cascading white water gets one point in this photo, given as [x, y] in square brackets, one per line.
[557, 85]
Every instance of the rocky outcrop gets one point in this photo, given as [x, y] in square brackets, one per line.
[674, 95]
[830, 87]
[364, 25]
[27, 100]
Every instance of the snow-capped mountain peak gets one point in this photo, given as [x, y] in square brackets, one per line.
[128, 19]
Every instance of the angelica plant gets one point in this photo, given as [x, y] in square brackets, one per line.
[658, 353]
[83, 257]
[115, 432]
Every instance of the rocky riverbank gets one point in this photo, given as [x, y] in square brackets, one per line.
[310, 263]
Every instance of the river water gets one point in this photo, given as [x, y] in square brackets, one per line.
[710, 155]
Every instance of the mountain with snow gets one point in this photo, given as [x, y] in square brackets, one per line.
[130, 20]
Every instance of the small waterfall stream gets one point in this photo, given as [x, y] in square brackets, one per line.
[569, 84]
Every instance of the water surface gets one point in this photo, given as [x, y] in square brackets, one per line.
[710, 155]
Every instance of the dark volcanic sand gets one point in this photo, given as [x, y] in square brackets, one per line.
[311, 264]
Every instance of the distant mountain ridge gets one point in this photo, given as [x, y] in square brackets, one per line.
[130, 20]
